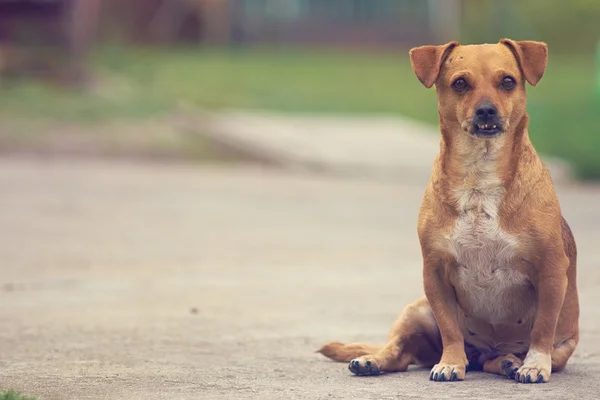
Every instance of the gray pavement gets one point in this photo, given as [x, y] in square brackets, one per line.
[147, 281]
[378, 147]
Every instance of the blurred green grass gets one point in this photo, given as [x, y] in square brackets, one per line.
[12, 395]
[137, 83]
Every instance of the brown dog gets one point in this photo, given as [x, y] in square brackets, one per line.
[498, 257]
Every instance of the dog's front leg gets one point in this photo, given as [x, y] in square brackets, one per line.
[442, 298]
[551, 287]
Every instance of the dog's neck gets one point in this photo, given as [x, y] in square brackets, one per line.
[469, 163]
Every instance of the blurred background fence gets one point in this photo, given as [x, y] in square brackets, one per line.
[75, 62]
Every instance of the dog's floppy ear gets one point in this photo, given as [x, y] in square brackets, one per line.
[532, 57]
[426, 61]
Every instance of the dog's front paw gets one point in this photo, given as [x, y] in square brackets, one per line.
[447, 373]
[363, 366]
[527, 374]
[537, 368]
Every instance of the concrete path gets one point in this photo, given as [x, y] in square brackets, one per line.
[146, 282]
[383, 148]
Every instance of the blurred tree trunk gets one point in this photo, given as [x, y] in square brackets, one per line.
[216, 15]
[172, 17]
[81, 19]
[168, 21]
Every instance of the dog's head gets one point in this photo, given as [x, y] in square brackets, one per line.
[481, 88]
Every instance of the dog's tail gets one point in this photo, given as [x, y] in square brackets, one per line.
[341, 352]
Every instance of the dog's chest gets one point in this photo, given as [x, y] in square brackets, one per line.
[488, 284]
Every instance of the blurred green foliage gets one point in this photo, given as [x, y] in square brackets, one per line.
[569, 27]
[145, 82]
[565, 114]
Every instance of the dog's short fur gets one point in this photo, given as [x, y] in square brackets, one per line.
[499, 260]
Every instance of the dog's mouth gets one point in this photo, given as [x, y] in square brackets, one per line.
[487, 130]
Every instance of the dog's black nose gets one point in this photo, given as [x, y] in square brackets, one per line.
[486, 112]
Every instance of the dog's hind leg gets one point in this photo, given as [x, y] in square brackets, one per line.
[562, 353]
[413, 339]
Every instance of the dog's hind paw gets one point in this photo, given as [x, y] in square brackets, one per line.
[363, 366]
[510, 368]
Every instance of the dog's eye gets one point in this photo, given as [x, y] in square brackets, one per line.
[508, 83]
[460, 85]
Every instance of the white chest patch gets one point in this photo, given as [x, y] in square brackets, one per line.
[488, 284]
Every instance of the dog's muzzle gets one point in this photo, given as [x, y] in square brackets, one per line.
[486, 123]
